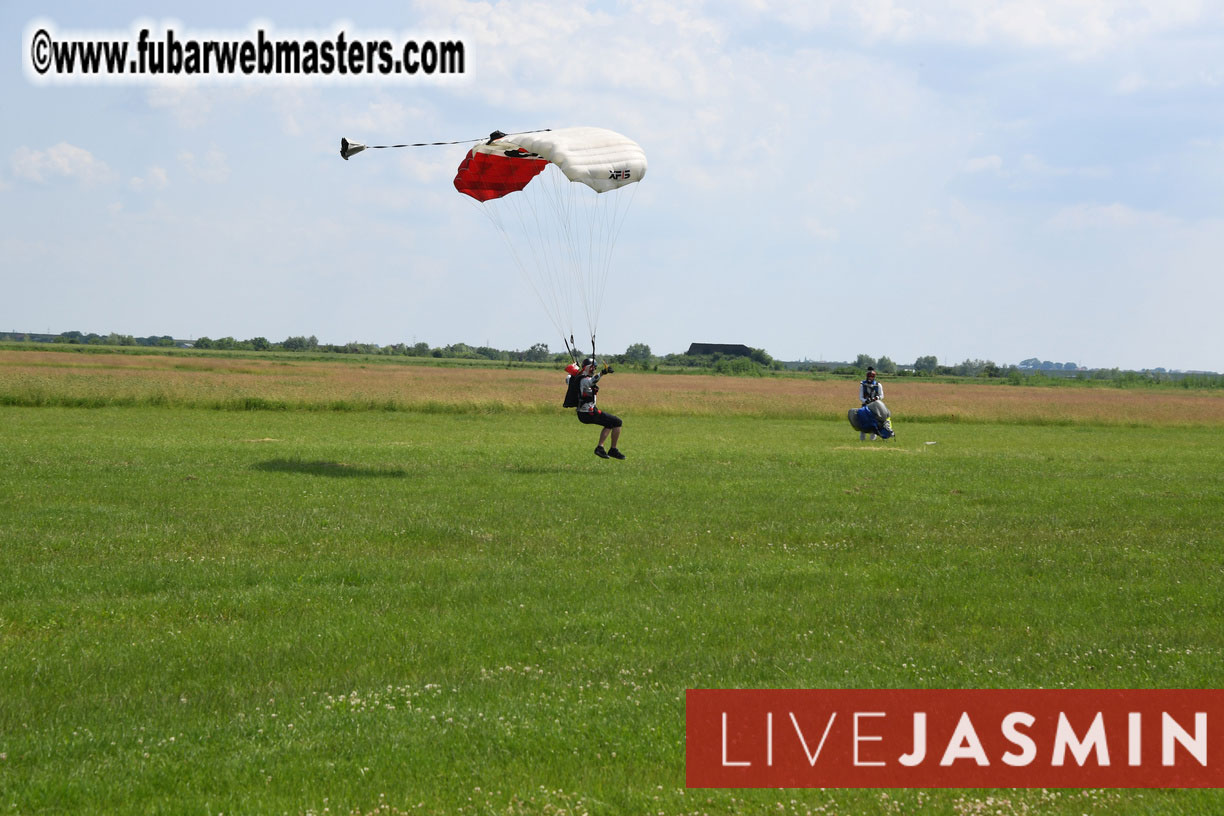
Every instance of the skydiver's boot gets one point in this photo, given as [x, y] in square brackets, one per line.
[600, 452]
[615, 454]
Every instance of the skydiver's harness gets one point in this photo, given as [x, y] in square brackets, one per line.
[574, 397]
[573, 383]
[587, 400]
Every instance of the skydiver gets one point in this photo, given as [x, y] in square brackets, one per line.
[870, 390]
[589, 414]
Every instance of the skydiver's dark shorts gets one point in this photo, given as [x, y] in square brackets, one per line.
[598, 417]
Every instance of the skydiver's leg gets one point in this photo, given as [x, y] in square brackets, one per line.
[603, 435]
[615, 435]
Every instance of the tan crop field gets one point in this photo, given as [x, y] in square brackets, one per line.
[50, 378]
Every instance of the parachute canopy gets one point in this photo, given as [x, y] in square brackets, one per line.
[560, 234]
[868, 419]
[601, 159]
[557, 197]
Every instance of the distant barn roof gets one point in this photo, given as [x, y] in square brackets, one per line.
[729, 349]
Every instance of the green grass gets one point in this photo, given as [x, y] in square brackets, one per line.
[292, 611]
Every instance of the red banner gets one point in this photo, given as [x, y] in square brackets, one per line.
[943, 738]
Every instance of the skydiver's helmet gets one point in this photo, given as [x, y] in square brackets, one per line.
[588, 365]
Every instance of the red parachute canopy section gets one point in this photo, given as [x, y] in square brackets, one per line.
[486, 176]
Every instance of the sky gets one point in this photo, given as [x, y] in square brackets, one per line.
[961, 178]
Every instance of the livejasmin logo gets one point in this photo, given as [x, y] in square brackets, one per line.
[943, 738]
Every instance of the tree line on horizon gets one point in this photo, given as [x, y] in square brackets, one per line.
[639, 355]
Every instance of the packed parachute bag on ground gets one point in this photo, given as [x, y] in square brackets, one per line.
[872, 418]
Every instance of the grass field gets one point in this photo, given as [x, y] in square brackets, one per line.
[414, 590]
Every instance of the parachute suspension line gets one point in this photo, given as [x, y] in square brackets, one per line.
[538, 231]
[537, 223]
[495, 218]
[557, 226]
[556, 251]
[578, 262]
[568, 205]
[596, 249]
[620, 207]
[563, 198]
[585, 244]
[590, 293]
[608, 212]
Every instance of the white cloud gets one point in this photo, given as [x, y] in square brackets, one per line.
[984, 163]
[1029, 169]
[293, 105]
[583, 59]
[212, 167]
[1169, 77]
[1132, 82]
[189, 106]
[380, 117]
[1078, 26]
[818, 229]
[193, 107]
[1110, 216]
[60, 161]
[1035, 166]
[156, 178]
